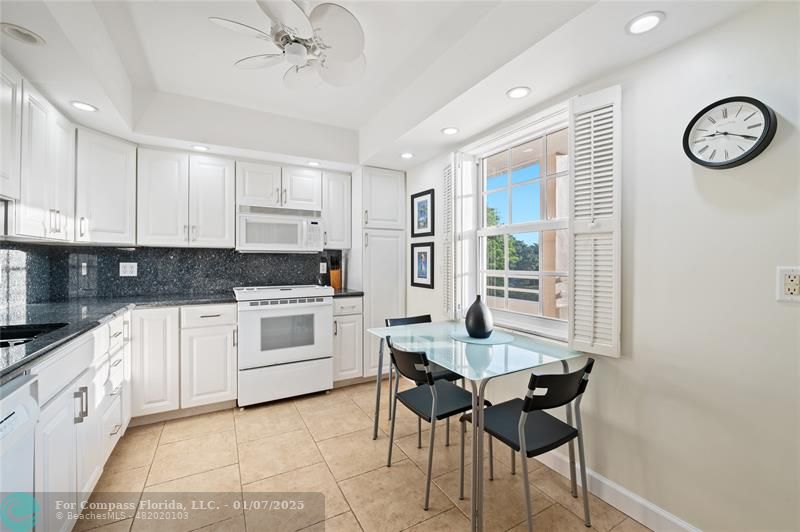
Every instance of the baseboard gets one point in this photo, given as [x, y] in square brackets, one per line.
[644, 511]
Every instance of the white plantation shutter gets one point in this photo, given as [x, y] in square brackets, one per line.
[595, 172]
[448, 223]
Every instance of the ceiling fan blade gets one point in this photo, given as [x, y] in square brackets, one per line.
[259, 61]
[289, 14]
[339, 30]
[342, 74]
[303, 77]
[240, 28]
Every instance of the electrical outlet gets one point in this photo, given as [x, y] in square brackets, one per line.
[788, 285]
[128, 269]
[84, 269]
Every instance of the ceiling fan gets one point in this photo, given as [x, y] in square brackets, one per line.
[326, 44]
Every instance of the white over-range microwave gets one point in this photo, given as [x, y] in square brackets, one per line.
[278, 233]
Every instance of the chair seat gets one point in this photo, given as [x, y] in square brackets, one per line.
[443, 374]
[543, 432]
[451, 400]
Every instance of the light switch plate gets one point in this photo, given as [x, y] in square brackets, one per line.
[128, 269]
[788, 283]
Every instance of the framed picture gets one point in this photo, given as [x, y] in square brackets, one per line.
[422, 214]
[422, 265]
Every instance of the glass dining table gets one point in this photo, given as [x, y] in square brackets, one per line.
[446, 344]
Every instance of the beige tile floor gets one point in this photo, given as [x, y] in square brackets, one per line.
[322, 443]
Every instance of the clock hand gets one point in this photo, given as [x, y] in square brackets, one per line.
[748, 137]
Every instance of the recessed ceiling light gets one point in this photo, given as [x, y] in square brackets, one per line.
[18, 33]
[518, 92]
[450, 130]
[407, 155]
[645, 22]
[313, 163]
[81, 106]
[200, 148]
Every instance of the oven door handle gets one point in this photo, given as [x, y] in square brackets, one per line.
[244, 306]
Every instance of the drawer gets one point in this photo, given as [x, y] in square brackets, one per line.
[207, 315]
[64, 366]
[111, 426]
[348, 305]
[116, 334]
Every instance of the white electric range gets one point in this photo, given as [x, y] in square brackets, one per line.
[285, 341]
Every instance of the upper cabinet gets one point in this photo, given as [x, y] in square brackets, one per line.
[384, 199]
[258, 184]
[10, 129]
[185, 200]
[336, 205]
[106, 190]
[47, 172]
[302, 188]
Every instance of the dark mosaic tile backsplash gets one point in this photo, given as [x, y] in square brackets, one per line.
[32, 273]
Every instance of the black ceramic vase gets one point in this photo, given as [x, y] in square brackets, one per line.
[479, 320]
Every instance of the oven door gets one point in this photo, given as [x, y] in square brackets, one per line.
[284, 331]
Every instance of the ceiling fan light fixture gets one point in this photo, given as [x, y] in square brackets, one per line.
[644, 22]
[313, 163]
[516, 93]
[198, 147]
[450, 130]
[24, 35]
[407, 155]
[82, 106]
[296, 54]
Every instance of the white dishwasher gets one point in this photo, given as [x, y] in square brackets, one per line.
[19, 412]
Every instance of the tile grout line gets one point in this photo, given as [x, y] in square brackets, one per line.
[238, 468]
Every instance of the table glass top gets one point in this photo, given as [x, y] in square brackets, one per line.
[473, 361]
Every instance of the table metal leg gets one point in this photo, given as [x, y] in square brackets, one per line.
[476, 502]
[378, 391]
[391, 387]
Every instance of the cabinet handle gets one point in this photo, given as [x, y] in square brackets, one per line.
[366, 217]
[126, 328]
[51, 223]
[278, 195]
[335, 328]
[284, 197]
[325, 238]
[194, 232]
[186, 231]
[116, 429]
[235, 337]
[81, 229]
[83, 395]
[211, 315]
[116, 391]
[117, 363]
[366, 240]
[58, 221]
[116, 334]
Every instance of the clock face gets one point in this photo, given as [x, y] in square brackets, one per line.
[729, 132]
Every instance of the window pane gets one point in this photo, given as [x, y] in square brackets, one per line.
[497, 208]
[523, 252]
[529, 283]
[524, 302]
[526, 161]
[495, 292]
[495, 281]
[555, 303]
[526, 203]
[496, 168]
[555, 250]
[557, 152]
[557, 198]
[495, 253]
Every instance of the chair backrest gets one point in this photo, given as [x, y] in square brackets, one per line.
[561, 388]
[411, 365]
[411, 320]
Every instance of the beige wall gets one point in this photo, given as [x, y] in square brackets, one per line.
[701, 415]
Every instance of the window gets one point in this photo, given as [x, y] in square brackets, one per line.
[523, 235]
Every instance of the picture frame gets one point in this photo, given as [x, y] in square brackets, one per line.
[423, 213]
[422, 265]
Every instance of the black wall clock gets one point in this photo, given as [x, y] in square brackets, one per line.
[729, 132]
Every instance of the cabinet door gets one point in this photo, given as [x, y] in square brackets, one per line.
[127, 373]
[34, 212]
[348, 354]
[62, 178]
[384, 287]
[89, 440]
[258, 185]
[208, 365]
[384, 199]
[55, 467]
[211, 202]
[106, 189]
[336, 215]
[302, 188]
[10, 129]
[155, 361]
[163, 198]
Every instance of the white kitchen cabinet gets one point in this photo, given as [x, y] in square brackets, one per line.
[348, 333]
[384, 200]
[62, 179]
[336, 210]
[211, 202]
[258, 184]
[10, 129]
[91, 456]
[127, 385]
[208, 365]
[105, 191]
[162, 198]
[155, 364]
[302, 188]
[56, 451]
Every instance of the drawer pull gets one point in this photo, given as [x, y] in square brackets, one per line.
[116, 334]
[115, 430]
[116, 391]
[211, 315]
[116, 363]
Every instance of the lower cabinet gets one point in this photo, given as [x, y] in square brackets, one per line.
[155, 362]
[348, 334]
[208, 365]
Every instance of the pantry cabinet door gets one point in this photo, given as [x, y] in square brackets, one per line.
[10, 129]
[336, 210]
[384, 199]
[212, 207]
[162, 198]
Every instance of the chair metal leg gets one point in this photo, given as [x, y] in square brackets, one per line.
[391, 385]
[430, 463]
[491, 459]
[584, 483]
[463, 431]
[447, 434]
[391, 432]
[419, 433]
[527, 488]
[572, 476]
[513, 462]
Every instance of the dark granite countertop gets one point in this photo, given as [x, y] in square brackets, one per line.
[80, 315]
[347, 293]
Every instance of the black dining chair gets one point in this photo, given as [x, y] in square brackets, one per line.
[523, 425]
[433, 400]
[439, 373]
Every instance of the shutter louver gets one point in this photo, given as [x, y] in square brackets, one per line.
[448, 217]
[594, 324]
